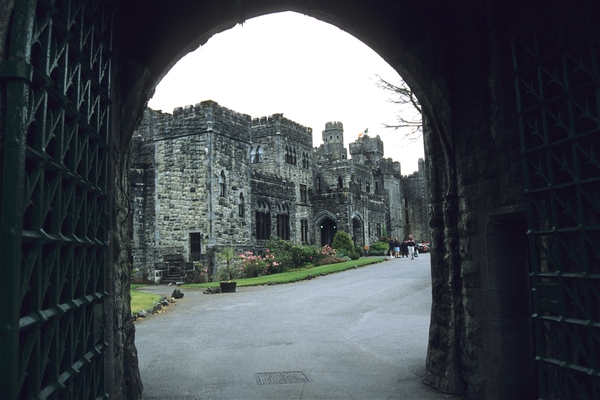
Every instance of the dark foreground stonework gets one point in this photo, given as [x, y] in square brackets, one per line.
[509, 91]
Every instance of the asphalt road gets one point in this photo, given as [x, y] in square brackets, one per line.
[358, 334]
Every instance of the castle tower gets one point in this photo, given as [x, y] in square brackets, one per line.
[367, 149]
[333, 141]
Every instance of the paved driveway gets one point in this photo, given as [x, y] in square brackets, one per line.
[359, 334]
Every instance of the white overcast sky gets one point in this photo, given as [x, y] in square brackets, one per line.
[288, 63]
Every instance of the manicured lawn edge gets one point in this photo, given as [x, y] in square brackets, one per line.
[141, 301]
[295, 276]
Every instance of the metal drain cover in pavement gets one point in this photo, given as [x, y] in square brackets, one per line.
[272, 378]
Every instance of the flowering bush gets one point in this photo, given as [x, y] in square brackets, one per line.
[328, 251]
[252, 265]
[256, 265]
[200, 275]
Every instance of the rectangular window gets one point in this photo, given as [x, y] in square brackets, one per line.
[303, 194]
[379, 229]
[195, 246]
[263, 226]
[283, 226]
[304, 230]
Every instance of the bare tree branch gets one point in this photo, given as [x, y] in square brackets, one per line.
[403, 96]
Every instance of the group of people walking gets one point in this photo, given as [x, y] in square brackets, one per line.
[406, 248]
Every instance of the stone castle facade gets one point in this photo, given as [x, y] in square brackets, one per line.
[207, 177]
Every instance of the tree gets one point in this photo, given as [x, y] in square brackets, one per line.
[343, 242]
[410, 115]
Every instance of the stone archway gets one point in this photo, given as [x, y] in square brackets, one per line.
[457, 57]
[358, 232]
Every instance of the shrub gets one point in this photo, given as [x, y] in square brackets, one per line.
[327, 251]
[330, 260]
[200, 274]
[272, 265]
[252, 265]
[379, 248]
[343, 242]
[282, 252]
[302, 255]
[295, 256]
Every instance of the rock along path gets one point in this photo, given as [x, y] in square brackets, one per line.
[358, 334]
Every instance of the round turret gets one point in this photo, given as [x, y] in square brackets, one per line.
[334, 132]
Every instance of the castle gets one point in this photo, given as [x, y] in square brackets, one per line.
[207, 177]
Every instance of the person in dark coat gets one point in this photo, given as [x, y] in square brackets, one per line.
[391, 249]
[404, 248]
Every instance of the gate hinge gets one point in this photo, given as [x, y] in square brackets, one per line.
[13, 69]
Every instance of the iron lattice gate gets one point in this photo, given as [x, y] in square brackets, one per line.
[53, 205]
[557, 75]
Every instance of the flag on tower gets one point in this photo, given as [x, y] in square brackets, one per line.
[363, 133]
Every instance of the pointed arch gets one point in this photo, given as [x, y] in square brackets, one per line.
[222, 184]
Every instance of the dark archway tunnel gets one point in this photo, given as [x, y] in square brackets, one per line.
[509, 95]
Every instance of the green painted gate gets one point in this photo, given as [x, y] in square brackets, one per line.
[557, 75]
[53, 200]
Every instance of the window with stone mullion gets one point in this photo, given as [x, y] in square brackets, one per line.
[303, 194]
[263, 225]
[304, 230]
[283, 226]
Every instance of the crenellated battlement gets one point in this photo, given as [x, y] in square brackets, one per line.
[334, 125]
[278, 124]
[367, 145]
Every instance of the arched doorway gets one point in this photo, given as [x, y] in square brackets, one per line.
[328, 228]
[358, 232]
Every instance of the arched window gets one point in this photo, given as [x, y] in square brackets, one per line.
[241, 206]
[263, 221]
[222, 183]
[252, 155]
[287, 155]
[294, 157]
[283, 221]
[259, 154]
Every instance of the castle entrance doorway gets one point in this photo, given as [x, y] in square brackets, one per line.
[328, 230]
[357, 232]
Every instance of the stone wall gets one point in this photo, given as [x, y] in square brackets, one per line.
[206, 171]
[179, 166]
[416, 205]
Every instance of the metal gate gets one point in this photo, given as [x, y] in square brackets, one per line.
[53, 200]
[557, 75]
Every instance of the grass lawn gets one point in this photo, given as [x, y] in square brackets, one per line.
[140, 300]
[294, 276]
